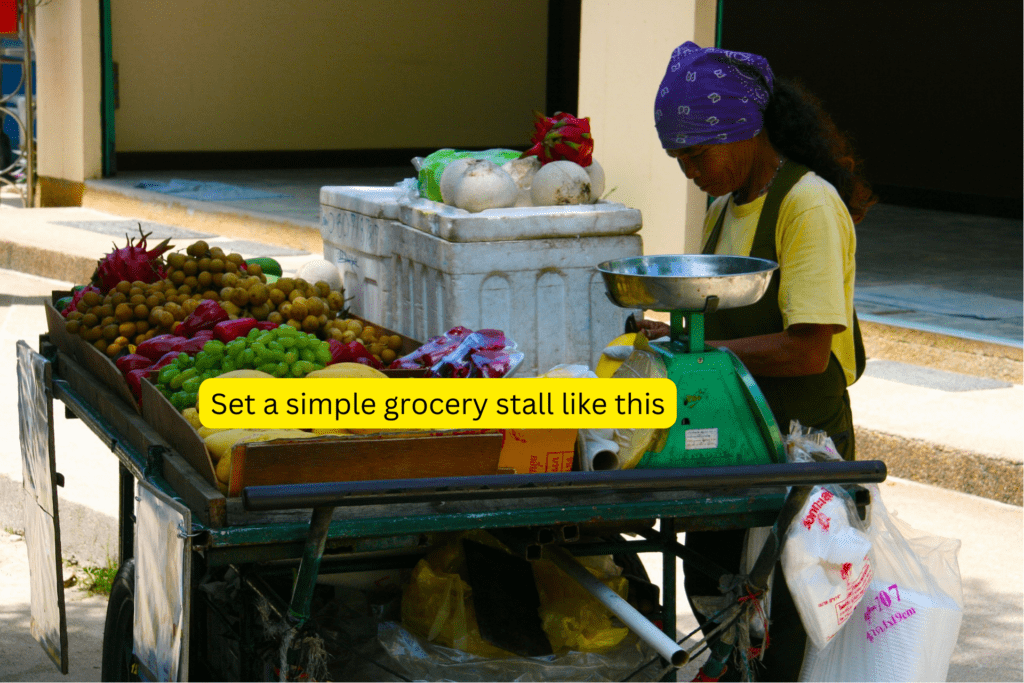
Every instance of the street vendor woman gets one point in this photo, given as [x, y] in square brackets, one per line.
[788, 189]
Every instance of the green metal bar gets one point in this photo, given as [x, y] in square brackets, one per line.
[695, 326]
[126, 515]
[240, 545]
[676, 326]
[719, 15]
[346, 565]
[613, 548]
[108, 95]
[309, 567]
[759, 405]
[668, 578]
[759, 507]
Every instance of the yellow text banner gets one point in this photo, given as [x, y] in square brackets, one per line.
[404, 403]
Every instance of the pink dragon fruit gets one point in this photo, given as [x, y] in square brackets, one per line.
[562, 136]
[79, 293]
[131, 262]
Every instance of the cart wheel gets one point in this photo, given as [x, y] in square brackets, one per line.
[117, 629]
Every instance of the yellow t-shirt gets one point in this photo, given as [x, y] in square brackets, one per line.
[815, 243]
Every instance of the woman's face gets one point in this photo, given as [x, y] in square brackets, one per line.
[717, 169]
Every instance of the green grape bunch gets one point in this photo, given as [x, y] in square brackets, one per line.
[281, 352]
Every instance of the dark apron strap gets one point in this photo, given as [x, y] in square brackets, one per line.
[716, 232]
[815, 400]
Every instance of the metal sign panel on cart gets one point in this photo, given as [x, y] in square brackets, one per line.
[42, 523]
[162, 581]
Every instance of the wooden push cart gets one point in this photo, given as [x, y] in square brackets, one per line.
[177, 530]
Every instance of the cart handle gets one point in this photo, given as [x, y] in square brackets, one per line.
[434, 489]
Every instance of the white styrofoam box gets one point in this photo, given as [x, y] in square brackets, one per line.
[533, 222]
[544, 293]
[373, 202]
[351, 222]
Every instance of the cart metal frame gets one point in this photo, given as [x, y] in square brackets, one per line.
[354, 526]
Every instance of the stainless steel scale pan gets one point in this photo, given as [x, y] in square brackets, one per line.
[683, 282]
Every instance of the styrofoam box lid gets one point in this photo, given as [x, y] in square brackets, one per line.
[493, 225]
[535, 222]
[375, 202]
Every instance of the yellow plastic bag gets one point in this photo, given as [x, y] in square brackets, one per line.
[573, 618]
[633, 443]
[438, 602]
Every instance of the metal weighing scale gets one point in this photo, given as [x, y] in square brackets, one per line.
[722, 416]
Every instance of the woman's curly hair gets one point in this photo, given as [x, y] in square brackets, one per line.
[799, 127]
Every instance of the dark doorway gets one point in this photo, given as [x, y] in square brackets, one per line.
[931, 90]
[563, 82]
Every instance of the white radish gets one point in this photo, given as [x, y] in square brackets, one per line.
[483, 185]
[450, 177]
[320, 270]
[596, 174]
[522, 171]
[560, 182]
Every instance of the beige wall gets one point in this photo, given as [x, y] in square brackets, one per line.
[236, 75]
[68, 90]
[624, 49]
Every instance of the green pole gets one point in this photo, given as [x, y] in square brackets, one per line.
[718, 23]
[676, 326]
[309, 565]
[107, 96]
[695, 323]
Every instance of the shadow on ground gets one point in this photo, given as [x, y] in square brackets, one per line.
[24, 659]
[984, 652]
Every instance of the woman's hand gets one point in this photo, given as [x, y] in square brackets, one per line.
[652, 329]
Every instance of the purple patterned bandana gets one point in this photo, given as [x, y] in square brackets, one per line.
[711, 96]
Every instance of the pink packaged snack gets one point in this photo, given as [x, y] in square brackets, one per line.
[432, 351]
[485, 345]
[461, 352]
[493, 363]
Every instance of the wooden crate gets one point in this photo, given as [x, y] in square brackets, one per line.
[365, 457]
[203, 498]
[349, 457]
[106, 371]
[171, 425]
[102, 368]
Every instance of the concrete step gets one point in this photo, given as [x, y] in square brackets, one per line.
[207, 217]
[66, 243]
[942, 410]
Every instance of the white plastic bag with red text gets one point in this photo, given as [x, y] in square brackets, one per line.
[825, 560]
[907, 625]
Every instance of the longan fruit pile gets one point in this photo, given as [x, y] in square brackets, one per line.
[201, 270]
[306, 307]
[133, 312]
[130, 313]
[383, 347]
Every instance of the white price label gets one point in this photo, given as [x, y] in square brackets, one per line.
[700, 439]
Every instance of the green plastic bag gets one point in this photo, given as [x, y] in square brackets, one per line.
[433, 166]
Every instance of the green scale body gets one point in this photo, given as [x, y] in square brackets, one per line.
[722, 418]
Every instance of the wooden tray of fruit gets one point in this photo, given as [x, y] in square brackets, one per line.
[140, 294]
[153, 325]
